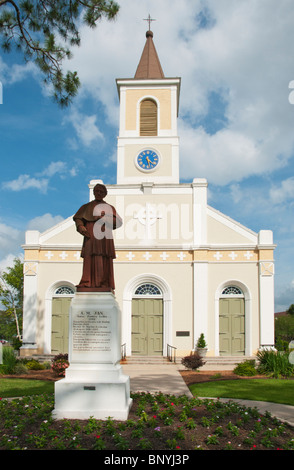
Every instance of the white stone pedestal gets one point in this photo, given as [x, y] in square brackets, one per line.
[94, 384]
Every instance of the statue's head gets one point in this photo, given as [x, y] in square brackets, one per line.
[99, 191]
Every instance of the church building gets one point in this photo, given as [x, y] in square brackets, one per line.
[182, 268]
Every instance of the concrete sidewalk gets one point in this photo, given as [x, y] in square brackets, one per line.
[167, 379]
[153, 378]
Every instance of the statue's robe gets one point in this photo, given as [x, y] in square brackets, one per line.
[98, 249]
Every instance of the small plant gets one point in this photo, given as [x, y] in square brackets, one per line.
[193, 362]
[212, 439]
[144, 444]
[246, 368]
[60, 364]
[99, 444]
[201, 343]
[20, 369]
[35, 365]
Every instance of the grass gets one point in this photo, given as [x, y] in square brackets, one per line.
[24, 387]
[271, 390]
[279, 391]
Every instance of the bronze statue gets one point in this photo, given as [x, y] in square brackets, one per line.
[95, 221]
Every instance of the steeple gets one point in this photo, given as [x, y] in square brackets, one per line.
[149, 65]
[148, 142]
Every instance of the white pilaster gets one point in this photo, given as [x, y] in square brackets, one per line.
[199, 186]
[266, 292]
[200, 300]
[30, 297]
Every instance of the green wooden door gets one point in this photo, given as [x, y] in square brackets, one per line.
[232, 327]
[59, 329]
[147, 327]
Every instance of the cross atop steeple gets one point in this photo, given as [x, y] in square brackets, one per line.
[149, 19]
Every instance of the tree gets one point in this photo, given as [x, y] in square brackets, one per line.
[32, 26]
[11, 296]
[290, 310]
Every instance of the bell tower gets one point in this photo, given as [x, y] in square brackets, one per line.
[148, 143]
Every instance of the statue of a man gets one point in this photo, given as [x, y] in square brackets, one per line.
[95, 221]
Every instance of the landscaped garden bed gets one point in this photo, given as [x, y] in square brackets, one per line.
[156, 422]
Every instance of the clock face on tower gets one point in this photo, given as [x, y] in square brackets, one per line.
[147, 160]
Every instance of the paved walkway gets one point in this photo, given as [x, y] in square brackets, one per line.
[167, 379]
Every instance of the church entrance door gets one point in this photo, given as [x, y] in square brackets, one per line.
[147, 327]
[232, 327]
[59, 329]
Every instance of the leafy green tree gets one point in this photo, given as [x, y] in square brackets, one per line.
[290, 310]
[33, 26]
[284, 331]
[11, 299]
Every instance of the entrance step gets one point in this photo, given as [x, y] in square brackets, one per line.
[224, 362]
[43, 357]
[146, 360]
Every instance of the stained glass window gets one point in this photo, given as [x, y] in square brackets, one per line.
[148, 289]
[64, 290]
[232, 290]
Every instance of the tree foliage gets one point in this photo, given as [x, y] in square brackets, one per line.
[290, 310]
[284, 331]
[11, 298]
[33, 26]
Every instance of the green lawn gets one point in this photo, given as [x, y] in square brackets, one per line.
[24, 387]
[272, 390]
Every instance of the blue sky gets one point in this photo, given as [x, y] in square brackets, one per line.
[236, 121]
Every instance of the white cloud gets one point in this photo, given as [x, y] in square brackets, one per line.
[10, 245]
[54, 168]
[283, 192]
[8, 261]
[44, 222]
[17, 72]
[42, 179]
[26, 182]
[9, 236]
[225, 156]
[85, 127]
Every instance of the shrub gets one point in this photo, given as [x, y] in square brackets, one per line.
[20, 369]
[193, 362]
[34, 365]
[9, 360]
[246, 368]
[274, 363]
[60, 364]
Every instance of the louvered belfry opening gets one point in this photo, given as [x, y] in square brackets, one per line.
[148, 118]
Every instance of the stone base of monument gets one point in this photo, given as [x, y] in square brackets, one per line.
[94, 385]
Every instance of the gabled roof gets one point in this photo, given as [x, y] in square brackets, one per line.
[149, 65]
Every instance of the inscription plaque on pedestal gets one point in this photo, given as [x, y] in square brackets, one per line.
[91, 333]
[94, 333]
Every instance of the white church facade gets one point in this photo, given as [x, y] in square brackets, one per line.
[182, 268]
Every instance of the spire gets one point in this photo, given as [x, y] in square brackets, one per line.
[149, 65]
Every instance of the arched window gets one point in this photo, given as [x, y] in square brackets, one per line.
[64, 290]
[232, 290]
[148, 118]
[148, 289]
